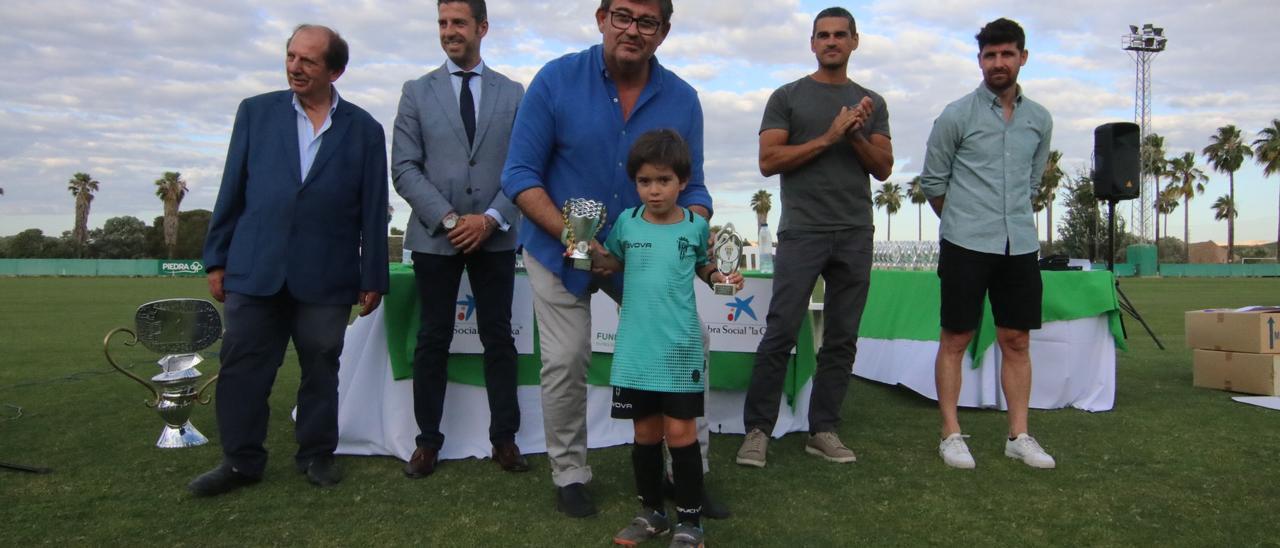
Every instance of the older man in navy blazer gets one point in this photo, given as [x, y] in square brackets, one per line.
[298, 235]
[450, 143]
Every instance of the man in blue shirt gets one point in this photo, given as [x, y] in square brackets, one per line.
[572, 134]
[985, 158]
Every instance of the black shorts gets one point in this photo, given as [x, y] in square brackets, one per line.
[1012, 282]
[629, 403]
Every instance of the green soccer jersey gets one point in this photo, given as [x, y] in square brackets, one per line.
[659, 341]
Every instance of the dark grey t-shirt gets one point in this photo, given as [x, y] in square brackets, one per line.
[832, 191]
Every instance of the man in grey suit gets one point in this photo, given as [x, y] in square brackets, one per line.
[450, 143]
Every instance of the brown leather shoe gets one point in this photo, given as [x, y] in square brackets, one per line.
[422, 463]
[508, 456]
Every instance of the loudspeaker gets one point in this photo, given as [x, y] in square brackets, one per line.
[1117, 168]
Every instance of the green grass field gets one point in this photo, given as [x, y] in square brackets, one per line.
[1172, 464]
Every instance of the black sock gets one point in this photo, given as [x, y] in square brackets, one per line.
[646, 460]
[686, 467]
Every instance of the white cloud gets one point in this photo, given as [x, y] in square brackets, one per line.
[127, 90]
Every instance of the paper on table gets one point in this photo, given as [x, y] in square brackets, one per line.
[1269, 402]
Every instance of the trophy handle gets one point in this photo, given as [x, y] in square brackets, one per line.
[106, 349]
[200, 392]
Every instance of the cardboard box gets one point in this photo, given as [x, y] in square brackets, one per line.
[1237, 372]
[1253, 329]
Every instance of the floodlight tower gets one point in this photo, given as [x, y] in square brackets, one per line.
[1143, 45]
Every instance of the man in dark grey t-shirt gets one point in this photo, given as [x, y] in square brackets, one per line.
[824, 134]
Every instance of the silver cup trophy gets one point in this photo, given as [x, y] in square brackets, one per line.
[180, 329]
[728, 253]
[583, 218]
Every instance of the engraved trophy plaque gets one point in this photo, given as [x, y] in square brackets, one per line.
[179, 329]
[583, 218]
[728, 253]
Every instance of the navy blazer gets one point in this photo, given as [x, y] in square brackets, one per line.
[326, 240]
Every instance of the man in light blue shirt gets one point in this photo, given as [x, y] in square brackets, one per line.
[984, 162]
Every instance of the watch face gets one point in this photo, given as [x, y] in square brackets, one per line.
[450, 222]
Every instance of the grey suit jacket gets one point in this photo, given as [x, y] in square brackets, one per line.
[436, 172]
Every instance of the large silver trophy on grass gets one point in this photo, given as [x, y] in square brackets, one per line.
[583, 218]
[180, 329]
[728, 253]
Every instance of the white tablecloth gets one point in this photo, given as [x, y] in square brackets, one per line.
[375, 411]
[1073, 366]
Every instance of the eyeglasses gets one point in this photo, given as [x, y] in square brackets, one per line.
[644, 25]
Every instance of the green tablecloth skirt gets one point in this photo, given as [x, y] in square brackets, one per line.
[902, 305]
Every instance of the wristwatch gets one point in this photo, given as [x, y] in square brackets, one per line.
[449, 221]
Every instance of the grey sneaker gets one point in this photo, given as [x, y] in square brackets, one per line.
[753, 450]
[687, 536]
[828, 446]
[645, 526]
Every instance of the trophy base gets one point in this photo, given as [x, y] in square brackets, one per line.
[582, 264]
[182, 436]
[725, 289]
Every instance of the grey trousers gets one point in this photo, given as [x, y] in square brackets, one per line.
[843, 259]
[564, 332]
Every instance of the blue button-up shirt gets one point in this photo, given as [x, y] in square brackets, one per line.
[989, 170]
[309, 138]
[570, 139]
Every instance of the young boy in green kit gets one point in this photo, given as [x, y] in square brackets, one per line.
[658, 365]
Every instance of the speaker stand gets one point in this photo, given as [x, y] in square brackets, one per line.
[1125, 305]
[24, 468]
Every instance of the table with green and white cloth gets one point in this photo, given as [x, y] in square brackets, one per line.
[897, 339]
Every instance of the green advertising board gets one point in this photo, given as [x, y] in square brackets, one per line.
[182, 268]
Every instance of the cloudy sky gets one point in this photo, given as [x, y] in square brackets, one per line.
[126, 90]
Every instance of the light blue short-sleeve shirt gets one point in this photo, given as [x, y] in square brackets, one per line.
[659, 342]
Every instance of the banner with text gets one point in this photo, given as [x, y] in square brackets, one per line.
[735, 323]
[466, 333]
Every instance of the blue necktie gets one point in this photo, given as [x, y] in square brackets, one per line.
[467, 106]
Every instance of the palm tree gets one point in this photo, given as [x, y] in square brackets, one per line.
[761, 203]
[171, 189]
[916, 191]
[1226, 153]
[889, 196]
[1189, 180]
[1224, 208]
[82, 187]
[1049, 184]
[1166, 202]
[1267, 147]
[1155, 165]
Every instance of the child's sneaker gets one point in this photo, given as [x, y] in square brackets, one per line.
[1026, 449]
[687, 536]
[645, 526]
[955, 452]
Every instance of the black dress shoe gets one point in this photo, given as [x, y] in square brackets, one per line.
[422, 463]
[711, 508]
[574, 501]
[223, 479]
[323, 472]
[508, 456]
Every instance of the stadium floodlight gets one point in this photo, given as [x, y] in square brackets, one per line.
[1143, 44]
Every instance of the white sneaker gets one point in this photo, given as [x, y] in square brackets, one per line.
[955, 452]
[1026, 449]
